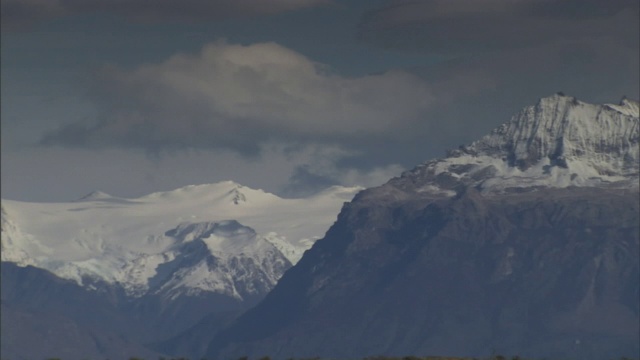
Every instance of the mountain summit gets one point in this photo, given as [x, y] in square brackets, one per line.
[559, 142]
[525, 242]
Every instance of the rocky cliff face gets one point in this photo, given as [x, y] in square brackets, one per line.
[523, 243]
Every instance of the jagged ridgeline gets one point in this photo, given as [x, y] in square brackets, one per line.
[524, 242]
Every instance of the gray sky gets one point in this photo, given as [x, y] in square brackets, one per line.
[135, 96]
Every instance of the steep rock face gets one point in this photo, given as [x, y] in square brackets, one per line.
[44, 316]
[497, 247]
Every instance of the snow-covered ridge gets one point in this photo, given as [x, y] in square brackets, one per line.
[558, 142]
[224, 257]
[95, 196]
[626, 107]
[127, 241]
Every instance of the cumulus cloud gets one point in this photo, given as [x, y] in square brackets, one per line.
[240, 97]
[469, 26]
[17, 14]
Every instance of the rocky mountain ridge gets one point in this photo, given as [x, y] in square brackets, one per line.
[524, 242]
[559, 142]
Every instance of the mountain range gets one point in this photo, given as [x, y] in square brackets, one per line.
[163, 261]
[525, 242]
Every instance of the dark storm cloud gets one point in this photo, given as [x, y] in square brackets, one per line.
[506, 54]
[241, 97]
[18, 14]
[470, 26]
[21, 14]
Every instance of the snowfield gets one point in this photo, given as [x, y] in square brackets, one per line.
[126, 241]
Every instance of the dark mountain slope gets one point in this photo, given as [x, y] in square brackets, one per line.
[546, 274]
[44, 316]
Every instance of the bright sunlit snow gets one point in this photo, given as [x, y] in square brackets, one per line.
[559, 142]
[125, 240]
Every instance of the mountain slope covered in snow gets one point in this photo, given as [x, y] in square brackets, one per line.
[149, 243]
[559, 142]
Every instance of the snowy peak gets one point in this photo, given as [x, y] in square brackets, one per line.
[95, 196]
[225, 237]
[237, 196]
[210, 231]
[224, 257]
[222, 193]
[560, 127]
[558, 142]
[232, 238]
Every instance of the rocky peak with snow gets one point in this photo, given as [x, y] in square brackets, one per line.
[558, 142]
[243, 238]
[237, 196]
[561, 129]
[223, 257]
[95, 196]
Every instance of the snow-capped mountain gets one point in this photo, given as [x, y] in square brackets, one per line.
[222, 238]
[524, 242]
[224, 257]
[559, 142]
